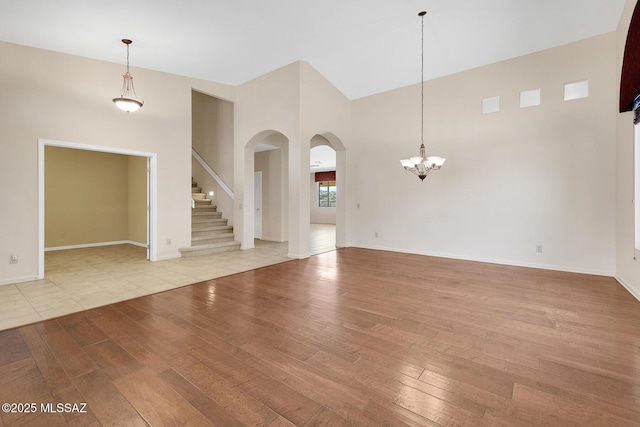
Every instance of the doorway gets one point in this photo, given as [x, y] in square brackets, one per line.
[150, 159]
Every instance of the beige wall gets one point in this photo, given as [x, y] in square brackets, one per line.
[627, 268]
[273, 165]
[297, 103]
[212, 138]
[513, 180]
[551, 175]
[66, 98]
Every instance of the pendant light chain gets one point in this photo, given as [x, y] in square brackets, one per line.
[422, 165]
[422, 85]
[128, 57]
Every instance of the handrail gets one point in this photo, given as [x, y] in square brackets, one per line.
[211, 172]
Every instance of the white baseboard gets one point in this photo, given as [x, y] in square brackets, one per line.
[94, 245]
[628, 287]
[493, 261]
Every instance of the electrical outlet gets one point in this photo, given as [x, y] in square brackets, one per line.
[376, 234]
[168, 242]
[13, 258]
[539, 248]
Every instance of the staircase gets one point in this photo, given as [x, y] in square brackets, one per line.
[210, 233]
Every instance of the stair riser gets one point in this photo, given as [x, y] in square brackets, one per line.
[213, 222]
[206, 214]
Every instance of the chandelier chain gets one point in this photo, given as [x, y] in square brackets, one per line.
[422, 85]
[128, 57]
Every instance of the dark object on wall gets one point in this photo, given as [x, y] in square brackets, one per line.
[325, 176]
[630, 78]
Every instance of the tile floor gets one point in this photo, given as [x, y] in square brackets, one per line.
[79, 279]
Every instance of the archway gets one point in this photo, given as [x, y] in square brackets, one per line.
[268, 153]
[328, 138]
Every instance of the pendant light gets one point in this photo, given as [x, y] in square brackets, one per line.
[422, 165]
[128, 99]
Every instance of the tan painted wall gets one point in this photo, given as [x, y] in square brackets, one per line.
[512, 180]
[86, 197]
[627, 268]
[93, 197]
[66, 98]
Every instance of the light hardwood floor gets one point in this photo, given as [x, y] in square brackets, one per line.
[349, 337]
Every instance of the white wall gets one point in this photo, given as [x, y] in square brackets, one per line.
[627, 268]
[61, 97]
[515, 179]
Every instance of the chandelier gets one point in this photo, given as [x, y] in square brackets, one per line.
[128, 99]
[422, 165]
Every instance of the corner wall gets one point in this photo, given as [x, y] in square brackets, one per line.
[513, 180]
[627, 268]
[212, 138]
[61, 97]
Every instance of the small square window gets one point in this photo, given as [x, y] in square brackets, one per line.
[491, 105]
[529, 98]
[576, 90]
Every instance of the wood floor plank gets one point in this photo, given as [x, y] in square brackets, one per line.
[73, 359]
[351, 337]
[108, 405]
[112, 359]
[208, 407]
[241, 406]
[14, 347]
[50, 368]
[158, 403]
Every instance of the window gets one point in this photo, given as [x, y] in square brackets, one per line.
[529, 98]
[576, 90]
[491, 105]
[327, 194]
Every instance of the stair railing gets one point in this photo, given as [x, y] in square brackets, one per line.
[213, 175]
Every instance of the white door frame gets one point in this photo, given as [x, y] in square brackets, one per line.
[151, 192]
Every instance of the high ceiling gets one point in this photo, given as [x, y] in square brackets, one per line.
[361, 46]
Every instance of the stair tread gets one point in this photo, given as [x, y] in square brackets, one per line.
[209, 246]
